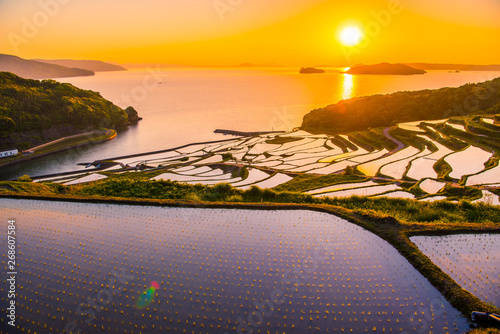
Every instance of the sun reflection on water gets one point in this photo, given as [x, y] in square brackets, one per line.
[347, 86]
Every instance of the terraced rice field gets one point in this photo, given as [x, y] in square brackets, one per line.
[431, 186]
[362, 191]
[469, 161]
[490, 176]
[274, 159]
[457, 126]
[422, 167]
[472, 260]
[488, 198]
[214, 271]
[342, 187]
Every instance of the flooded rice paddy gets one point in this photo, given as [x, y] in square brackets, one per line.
[472, 260]
[88, 266]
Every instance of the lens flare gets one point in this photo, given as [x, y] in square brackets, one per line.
[147, 296]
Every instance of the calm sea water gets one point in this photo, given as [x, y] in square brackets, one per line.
[185, 105]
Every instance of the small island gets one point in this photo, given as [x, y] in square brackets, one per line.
[311, 70]
[385, 69]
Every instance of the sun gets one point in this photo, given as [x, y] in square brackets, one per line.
[351, 36]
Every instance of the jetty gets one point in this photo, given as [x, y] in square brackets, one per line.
[245, 134]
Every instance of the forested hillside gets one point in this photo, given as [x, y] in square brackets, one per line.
[34, 106]
[384, 110]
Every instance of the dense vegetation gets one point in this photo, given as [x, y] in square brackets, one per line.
[32, 105]
[358, 114]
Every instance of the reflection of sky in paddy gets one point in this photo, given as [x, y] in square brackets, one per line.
[215, 269]
[472, 260]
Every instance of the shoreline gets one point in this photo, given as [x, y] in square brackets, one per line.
[116, 158]
[109, 135]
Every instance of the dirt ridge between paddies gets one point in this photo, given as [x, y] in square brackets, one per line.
[386, 227]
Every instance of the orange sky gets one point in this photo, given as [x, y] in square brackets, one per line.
[229, 32]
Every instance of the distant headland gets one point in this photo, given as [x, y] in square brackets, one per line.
[51, 69]
[30, 69]
[90, 65]
[385, 69]
[454, 67]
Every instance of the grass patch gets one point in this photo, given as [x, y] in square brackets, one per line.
[492, 162]
[374, 138]
[484, 331]
[21, 187]
[139, 185]
[426, 215]
[458, 192]
[443, 169]
[305, 182]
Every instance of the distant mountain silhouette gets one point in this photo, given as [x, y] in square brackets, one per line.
[385, 68]
[30, 69]
[90, 65]
[454, 67]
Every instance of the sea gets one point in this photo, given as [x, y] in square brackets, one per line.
[185, 105]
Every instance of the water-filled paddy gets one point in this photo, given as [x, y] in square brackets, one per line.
[218, 270]
[472, 260]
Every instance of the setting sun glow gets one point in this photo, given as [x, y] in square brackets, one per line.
[350, 36]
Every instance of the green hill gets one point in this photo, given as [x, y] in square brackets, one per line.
[33, 112]
[361, 113]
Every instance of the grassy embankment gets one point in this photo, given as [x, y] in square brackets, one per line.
[484, 331]
[395, 220]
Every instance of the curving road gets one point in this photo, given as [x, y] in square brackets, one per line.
[399, 144]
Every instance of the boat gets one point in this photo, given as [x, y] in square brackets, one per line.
[485, 318]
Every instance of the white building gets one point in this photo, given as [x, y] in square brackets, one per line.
[8, 153]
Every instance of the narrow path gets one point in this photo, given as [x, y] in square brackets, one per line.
[399, 144]
[87, 135]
